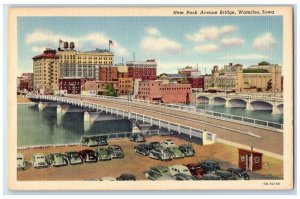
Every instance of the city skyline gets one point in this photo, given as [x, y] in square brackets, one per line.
[173, 41]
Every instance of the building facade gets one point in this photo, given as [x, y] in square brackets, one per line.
[46, 71]
[73, 85]
[98, 87]
[125, 86]
[187, 71]
[176, 78]
[197, 83]
[145, 70]
[158, 90]
[108, 73]
[26, 82]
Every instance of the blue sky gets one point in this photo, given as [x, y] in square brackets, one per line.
[173, 41]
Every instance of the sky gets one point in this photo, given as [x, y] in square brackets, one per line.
[174, 42]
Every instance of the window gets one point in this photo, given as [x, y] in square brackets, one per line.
[243, 158]
[256, 160]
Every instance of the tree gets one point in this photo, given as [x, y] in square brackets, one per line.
[110, 90]
[263, 63]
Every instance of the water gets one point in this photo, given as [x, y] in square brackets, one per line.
[265, 115]
[46, 127]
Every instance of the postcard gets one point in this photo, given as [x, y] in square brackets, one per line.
[150, 98]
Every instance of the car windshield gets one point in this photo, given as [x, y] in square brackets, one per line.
[19, 158]
[40, 157]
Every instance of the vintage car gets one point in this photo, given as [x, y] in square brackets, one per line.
[108, 179]
[38, 160]
[158, 173]
[175, 169]
[73, 157]
[126, 177]
[210, 176]
[175, 152]
[92, 141]
[153, 145]
[142, 149]
[187, 150]
[21, 164]
[183, 176]
[241, 173]
[88, 155]
[225, 175]
[57, 159]
[209, 166]
[137, 137]
[115, 151]
[195, 170]
[168, 143]
[102, 154]
[160, 154]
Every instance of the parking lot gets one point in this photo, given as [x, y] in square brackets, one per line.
[136, 164]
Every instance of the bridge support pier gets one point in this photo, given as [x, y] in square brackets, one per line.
[249, 107]
[208, 138]
[275, 109]
[87, 121]
[228, 104]
[41, 106]
[211, 101]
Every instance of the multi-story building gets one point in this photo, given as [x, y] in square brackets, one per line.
[233, 78]
[177, 78]
[98, 87]
[25, 82]
[122, 71]
[187, 71]
[161, 91]
[108, 73]
[73, 85]
[46, 71]
[125, 86]
[145, 70]
[197, 83]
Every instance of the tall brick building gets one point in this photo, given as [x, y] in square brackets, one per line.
[145, 70]
[108, 73]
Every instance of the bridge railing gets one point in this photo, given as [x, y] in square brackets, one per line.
[194, 110]
[269, 96]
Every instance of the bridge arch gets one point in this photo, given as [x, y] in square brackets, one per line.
[280, 108]
[202, 99]
[261, 105]
[236, 102]
[219, 100]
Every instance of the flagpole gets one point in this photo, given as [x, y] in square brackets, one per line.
[108, 46]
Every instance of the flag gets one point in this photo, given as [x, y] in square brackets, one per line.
[111, 42]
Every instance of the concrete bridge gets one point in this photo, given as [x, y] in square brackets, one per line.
[209, 128]
[264, 101]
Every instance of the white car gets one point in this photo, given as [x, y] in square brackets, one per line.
[168, 144]
[38, 160]
[175, 169]
[21, 164]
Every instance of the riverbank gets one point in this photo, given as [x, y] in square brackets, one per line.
[136, 164]
[22, 99]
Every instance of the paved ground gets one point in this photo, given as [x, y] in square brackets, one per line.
[135, 164]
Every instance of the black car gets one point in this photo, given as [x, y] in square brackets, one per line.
[209, 166]
[241, 173]
[137, 137]
[115, 151]
[73, 157]
[210, 177]
[142, 149]
[225, 175]
[187, 150]
[153, 145]
[126, 177]
[102, 140]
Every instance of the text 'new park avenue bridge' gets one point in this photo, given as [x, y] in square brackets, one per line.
[264, 136]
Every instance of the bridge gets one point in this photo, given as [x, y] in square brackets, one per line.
[184, 120]
[257, 101]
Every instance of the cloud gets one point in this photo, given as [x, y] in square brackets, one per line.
[264, 42]
[210, 33]
[155, 43]
[152, 31]
[247, 56]
[41, 39]
[206, 48]
[235, 41]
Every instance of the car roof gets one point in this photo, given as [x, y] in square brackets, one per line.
[39, 154]
[209, 161]
[178, 166]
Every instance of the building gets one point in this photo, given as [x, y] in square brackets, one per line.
[73, 85]
[233, 78]
[46, 71]
[25, 82]
[98, 87]
[145, 70]
[250, 160]
[158, 90]
[197, 83]
[122, 71]
[177, 78]
[187, 71]
[108, 73]
[125, 86]
[136, 87]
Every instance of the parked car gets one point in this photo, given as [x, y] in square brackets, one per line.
[92, 141]
[158, 173]
[209, 166]
[175, 152]
[175, 169]
[210, 176]
[108, 179]
[160, 154]
[57, 159]
[88, 155]
[21, 164]
[225, 175]
[73, 157]
[241, 173]
[153, 145]
[126, 177]
[168, 143]
[142, 149]
[195, 170]
[38, 160]
[102, 140]
[115, 151]
[137, 137]
[102, 154]
[187, 150]
[183, 176]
